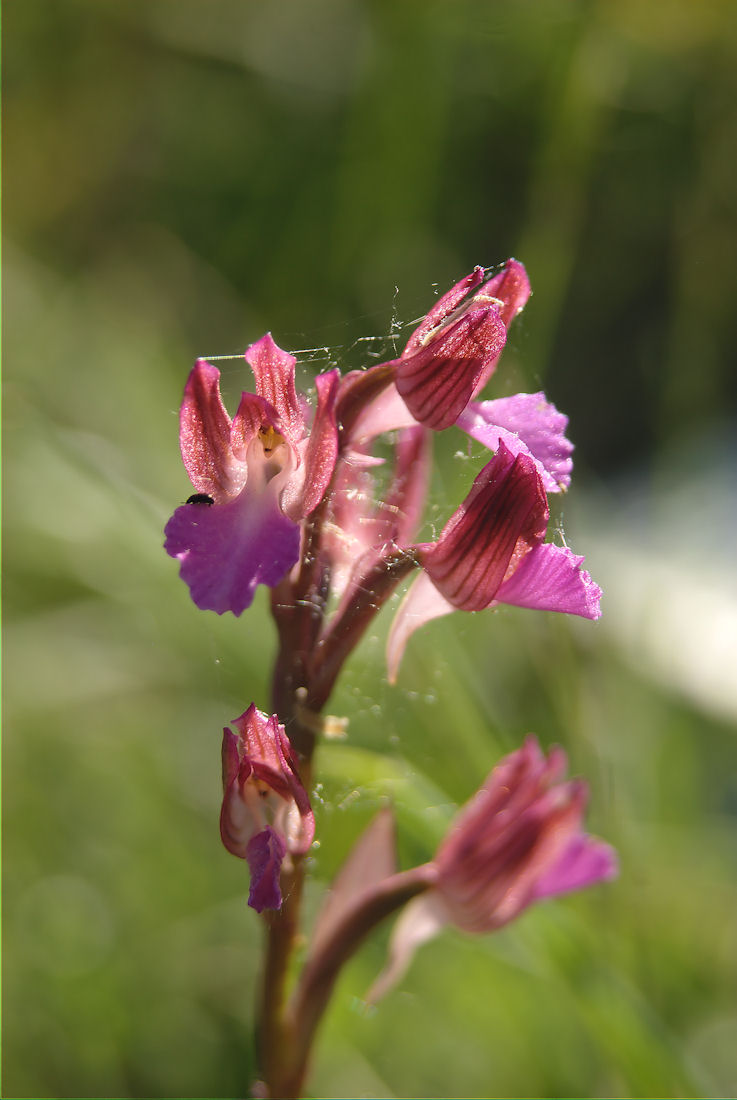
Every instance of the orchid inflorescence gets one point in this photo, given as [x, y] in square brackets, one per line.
[284, 497]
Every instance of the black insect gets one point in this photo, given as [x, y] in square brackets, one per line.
[200, 498]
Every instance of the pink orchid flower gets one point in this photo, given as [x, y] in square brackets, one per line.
[449, 358]
[455, 350]
[519, 840]
[256, 477]
[266, 815]
[491, 551]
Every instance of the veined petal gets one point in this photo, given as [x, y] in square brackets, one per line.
[550, 578]
[584, 861]
[502, 518]
[529, 424]
[226, 550]
[265, 853]
[438, 379]
[204, 433]
[273, 370]
[422, 603]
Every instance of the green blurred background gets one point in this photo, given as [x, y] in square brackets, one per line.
[180, 176]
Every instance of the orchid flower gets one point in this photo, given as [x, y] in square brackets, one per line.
[256, 477]
[449, 358]
[491, 551]
[266, 814]
[519, 840]
[454, 351]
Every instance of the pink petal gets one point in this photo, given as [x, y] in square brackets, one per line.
[529, 424]
[273, 370]
[584, 862]
[265, 853]
[550, 578]
[226, 550]
[204, 433]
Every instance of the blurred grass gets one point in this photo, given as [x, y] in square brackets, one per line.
[181, 177]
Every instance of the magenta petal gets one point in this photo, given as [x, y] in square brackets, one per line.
[226, 550]
[265, 853]
[583, 862]
[550, 578]
[527, 423]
